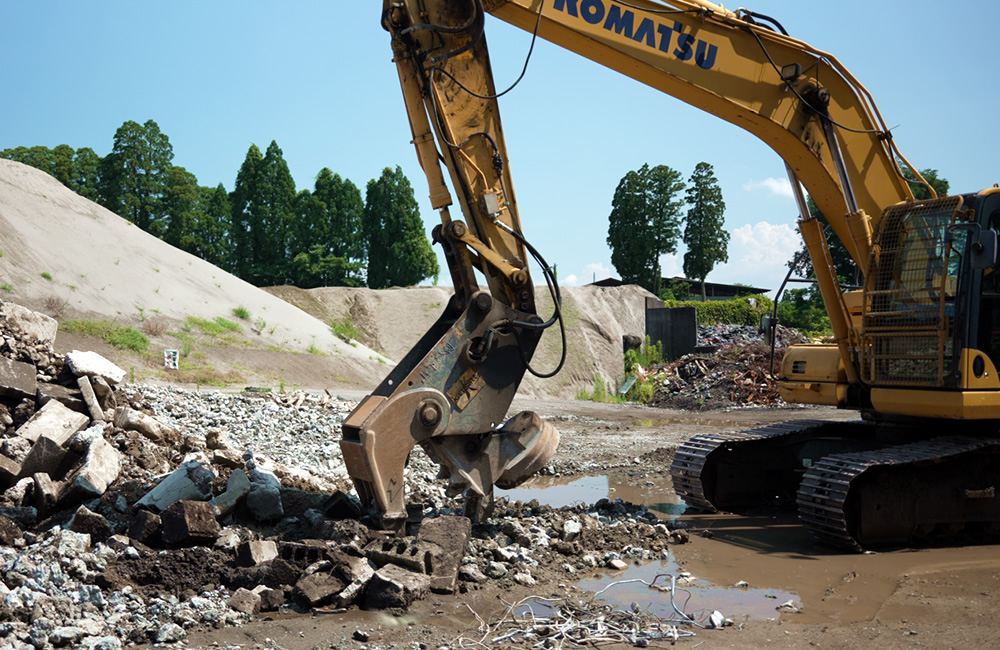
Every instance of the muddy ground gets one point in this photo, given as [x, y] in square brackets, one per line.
[942, 597]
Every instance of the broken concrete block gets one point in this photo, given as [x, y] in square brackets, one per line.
[146, 528]
[92, 523]
[317, 589]
[9, 472]
[264, 498]
[217, 439]
[90, 399]
[357, 572]
[270, 599]
[342, 506]
[189, 522]
[45, 455]
[245, 601]
[150, 427]
[191, 481]
[46, 492]
[100, 467]
[415, 555]
[256, 552]
[227, 458]
[54, 421]
[35, 325]
[69, 397]
[104, 393]
[91, 364]
[451, 534]
[17, 378]
[394, 586]
[237, 488]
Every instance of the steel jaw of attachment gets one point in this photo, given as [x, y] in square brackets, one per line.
[448, 395]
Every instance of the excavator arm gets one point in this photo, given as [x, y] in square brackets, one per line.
[452, 391]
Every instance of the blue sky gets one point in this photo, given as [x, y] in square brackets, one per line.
[316, 77]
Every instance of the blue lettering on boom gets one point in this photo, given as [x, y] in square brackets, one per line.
[622, 21]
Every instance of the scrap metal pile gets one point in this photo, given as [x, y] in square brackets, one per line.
[736, 370]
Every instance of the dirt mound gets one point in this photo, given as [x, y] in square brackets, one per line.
[391, 321]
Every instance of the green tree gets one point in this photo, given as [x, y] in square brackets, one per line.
[273, 256]
[180, 200]
[209, 236]
[398, 251]
[345, 211]
[134, 175]
[704, 232]
[86, 174]
[77, 170]
[644, 223]
[245, 205]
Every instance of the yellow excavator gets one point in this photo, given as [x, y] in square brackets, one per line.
[915, 351]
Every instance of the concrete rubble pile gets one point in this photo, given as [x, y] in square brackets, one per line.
[132, 514]
[736, 369]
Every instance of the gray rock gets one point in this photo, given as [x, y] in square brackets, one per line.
[236, 489]
[245, 601]
[257, 552]
[17, 379]
[91, 364]
[149, 426]
[36, 326]
[264, 498]
[191, 481]
[100, 468]
[189, 522]
[54, 421]
[394, 586]
[90, 399]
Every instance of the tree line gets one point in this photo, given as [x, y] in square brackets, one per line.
[646, 218]
[264, 231]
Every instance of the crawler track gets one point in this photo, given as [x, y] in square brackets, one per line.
[851, 489]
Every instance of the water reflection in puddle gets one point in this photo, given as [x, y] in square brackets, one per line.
[698, 597]
[560, 492]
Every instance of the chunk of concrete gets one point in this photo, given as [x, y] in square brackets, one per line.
[245, 601]
[17, 378]
[357, 572]
[270, 599]
[100, 467]
[451, 534]
[15, 448]
[190, 481]
[46, 492]
[149, 426]
[45, 455]
[35, 325]
[54, 421]
[146, 528]
[10, 470]
[69, 397]
[189, 522]
[87, 521]
[415, 555]
[317, 589]
[105, 394]
[91, 364]
[256, 552]
[264, 498]
[237, 488]
[393, 586]
[90, 399]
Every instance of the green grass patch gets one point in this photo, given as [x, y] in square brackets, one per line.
[600, 393]
[313, 349]
[241, 312]
[124, 338]
[46, 275]
[7, 287]
[344, 329]
[215, 327]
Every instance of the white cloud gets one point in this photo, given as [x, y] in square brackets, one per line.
[774, 186]
[569, 281]
[758, 255]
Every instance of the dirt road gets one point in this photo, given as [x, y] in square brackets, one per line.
[909, 598]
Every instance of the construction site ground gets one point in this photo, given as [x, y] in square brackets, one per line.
[904, 598]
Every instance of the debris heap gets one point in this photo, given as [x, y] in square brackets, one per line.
[133, 514]
[735, 370]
